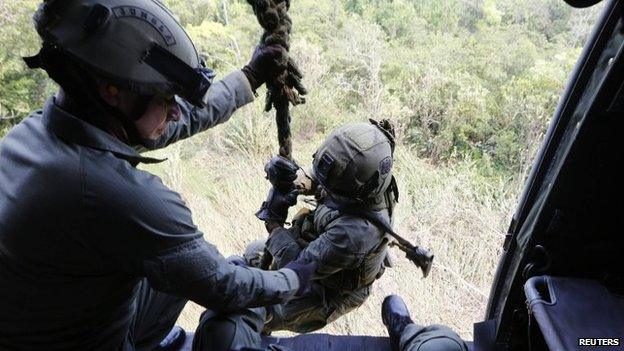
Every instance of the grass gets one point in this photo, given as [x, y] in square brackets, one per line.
[453, 210]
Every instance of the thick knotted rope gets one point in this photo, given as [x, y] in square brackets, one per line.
[286, 88]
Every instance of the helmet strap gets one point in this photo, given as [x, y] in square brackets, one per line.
[139, 109]
[367, 188]
[132, 133]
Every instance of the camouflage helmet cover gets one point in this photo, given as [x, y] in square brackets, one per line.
[355, 161]
[138, 45]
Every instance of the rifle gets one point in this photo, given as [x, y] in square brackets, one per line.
[420, 256]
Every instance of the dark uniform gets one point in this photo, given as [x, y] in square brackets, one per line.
[350, 250]
[356, 193]
[81, 226]
[430, 338]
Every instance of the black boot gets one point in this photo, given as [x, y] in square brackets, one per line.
[396, 317]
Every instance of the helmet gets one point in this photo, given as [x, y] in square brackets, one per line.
[355, 161]
[136, 45]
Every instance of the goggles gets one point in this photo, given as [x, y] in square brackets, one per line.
[187, 82]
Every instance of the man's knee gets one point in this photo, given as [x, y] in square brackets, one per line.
[214, 334]
[227, 332]
[431, 338]
[441, 344]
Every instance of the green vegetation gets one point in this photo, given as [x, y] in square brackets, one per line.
[472, 79]
[21, 90]
[470, 85]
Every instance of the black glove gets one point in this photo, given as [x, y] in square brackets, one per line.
[237, 260]
[305, 272]
[281, 172]
[275, 208]
[266, 63]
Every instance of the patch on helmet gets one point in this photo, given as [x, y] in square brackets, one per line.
[324, 166]
[146, 16]
[385, 165]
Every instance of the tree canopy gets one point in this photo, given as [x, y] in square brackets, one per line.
[474, 79]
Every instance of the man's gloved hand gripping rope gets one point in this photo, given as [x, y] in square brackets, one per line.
[285, 89]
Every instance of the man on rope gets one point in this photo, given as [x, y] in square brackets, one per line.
[346, 235]
[352, 177]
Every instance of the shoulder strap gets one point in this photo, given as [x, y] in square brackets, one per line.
[373, 216]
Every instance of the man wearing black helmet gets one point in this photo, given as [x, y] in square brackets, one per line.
[352, 179]
[95, 253]
[345, 235]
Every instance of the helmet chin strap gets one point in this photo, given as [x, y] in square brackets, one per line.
[127, 121]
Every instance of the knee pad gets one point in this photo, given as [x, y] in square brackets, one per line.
[441, 344]
[215, 334]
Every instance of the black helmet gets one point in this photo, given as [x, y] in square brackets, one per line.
[137, 45]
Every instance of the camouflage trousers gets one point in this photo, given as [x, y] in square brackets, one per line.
[315, 310]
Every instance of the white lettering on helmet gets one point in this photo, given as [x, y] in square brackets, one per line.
[149, 18]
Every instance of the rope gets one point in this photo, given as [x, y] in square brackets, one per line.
[287, 88]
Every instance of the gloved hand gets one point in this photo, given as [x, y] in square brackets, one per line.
[281, 172]
[305, 272]
[266, 63]
[237, 261]
[275, 208]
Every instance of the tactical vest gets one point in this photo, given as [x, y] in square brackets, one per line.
[328, 211]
